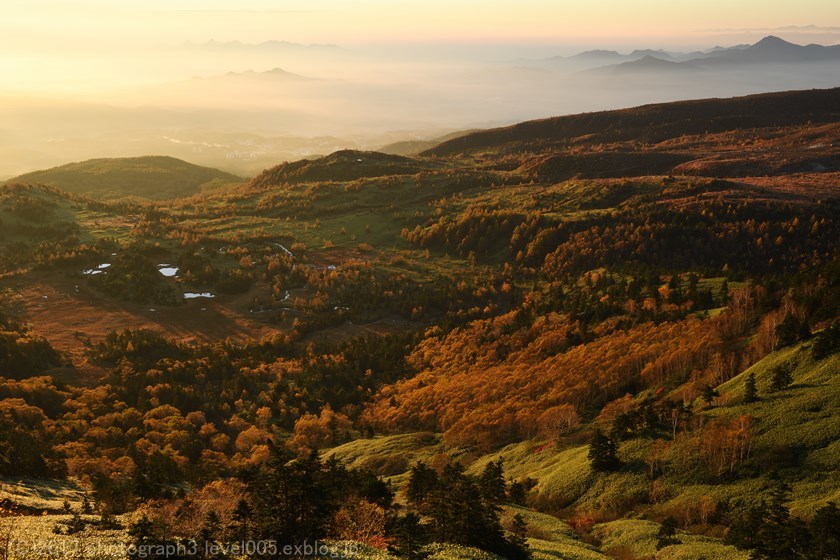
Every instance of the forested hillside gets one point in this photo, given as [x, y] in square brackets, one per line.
[574, 338]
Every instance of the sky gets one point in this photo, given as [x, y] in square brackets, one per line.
[47, 23]
[65, 46]
[94, 78]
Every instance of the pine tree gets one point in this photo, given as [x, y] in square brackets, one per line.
[292, 500]
[602, 453]
[791, 330]
[492, 483]
[667, 534]
[750, 389]
[421, 483]
[742, 529]
[212, 528]
[410, 536]
[460, 514]
[778, 537]
[517, 493]
[709, 394]
[142, 534]
[519, 532]
[241, 515]
[827, 341]
[781, 379]
[825, 533]
[86, 506]
[723, 293]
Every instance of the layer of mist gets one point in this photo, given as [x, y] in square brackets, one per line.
[243, 107]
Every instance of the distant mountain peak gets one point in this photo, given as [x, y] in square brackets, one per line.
[645, 64]
[274, 72]
[773, 42]
[650, 52]
[599, 52]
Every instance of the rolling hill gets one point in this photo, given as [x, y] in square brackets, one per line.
[344, 165]
[149, 177]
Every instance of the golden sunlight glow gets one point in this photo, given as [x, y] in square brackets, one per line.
[61, 46]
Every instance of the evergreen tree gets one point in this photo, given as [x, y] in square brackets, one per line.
[86, 506]
[827, 341]
[667, 534]
[492, 483]
[142, 535]
[410, 536]
[519, 532]
[778, 536]
[781, 379]
[212, 528]
[292, 501]
[750, 389]
[366, 485]
[742, 529]
[241, 515]
[709, 394]
[723, 293]
[421, 483]
[602, 453]
[674, 292]
[517, 493]
[825, 534]
[791, 330]
[460, 514]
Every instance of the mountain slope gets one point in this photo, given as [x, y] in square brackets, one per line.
[773, 50]
[649, 64]
[151, 177]
[344, 165]
[767, 51]
[654, 123]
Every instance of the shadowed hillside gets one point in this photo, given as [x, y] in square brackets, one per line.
[345, 165]
[151, 177]
[654, 123]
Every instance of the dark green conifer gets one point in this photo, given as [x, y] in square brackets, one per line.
[750, 389]
[602, 453]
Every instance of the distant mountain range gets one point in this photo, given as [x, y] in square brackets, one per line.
[646, 64]
[273, 74]
[770, 50]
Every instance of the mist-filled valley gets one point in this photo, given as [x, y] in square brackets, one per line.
[242, 107]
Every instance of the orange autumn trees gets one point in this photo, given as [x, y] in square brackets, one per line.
[467, 389]
[317, 431]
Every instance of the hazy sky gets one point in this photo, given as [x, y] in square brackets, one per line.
[68, 45]
[88, 22]
[105, 78]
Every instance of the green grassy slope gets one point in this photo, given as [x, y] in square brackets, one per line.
[151, 177]
[800, 421]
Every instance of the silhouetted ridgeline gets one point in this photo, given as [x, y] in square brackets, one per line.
[654, 123]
